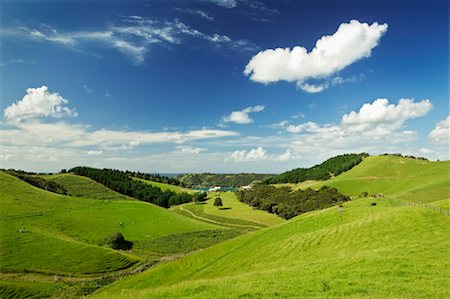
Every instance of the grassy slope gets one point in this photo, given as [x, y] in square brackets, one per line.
[163, 186]
[233, 208]
[61, 232]
[402, 178]
[81, 186]
[380, 252]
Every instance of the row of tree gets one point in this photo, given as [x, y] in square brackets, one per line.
[320, 172]
[205, 180]
[156, 178]
[287, 203]
[121, 182]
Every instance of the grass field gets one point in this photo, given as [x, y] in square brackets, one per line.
[386, 251]
[44, 232]
[233, 208]
[81, 186]
[164, 186]
[402, 178]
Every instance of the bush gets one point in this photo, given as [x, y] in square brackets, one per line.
[117, 241]
[218, 202]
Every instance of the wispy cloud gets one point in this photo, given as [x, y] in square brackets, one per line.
[196, 12]
[133, 36]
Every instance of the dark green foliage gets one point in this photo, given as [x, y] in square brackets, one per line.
[205, 180]
[364, 194]
[218, 202]
[155, 178]
[51, 186]
[117, 241]
[405, 156]
[331, 167]
[200, 196]
[287, 203]
[121, 182]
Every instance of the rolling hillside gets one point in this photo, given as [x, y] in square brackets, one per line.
[402, 178]
[382, 251]
[51, 234]
[81, 186]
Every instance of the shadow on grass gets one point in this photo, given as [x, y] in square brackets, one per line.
[224, 208]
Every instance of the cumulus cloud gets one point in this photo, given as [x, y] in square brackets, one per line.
[332, 53]
[441, 132]
[285, 157]
[380, 112]
[256, 154]
[242, 116]
[87, 89]
[38, 102]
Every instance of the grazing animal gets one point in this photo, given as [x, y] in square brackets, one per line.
[374, 204]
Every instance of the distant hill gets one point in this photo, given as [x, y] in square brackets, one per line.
[405, 178]
[331, 167]
[204, 180]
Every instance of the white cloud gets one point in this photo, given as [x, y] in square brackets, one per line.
[38, 102]
[441, 132]
[190, 150]
[350, 43]
[225, 3]
[201, 13]
[242, 116]
[133, 36]
[256, 154]
[286, 156]
[95, 153]
[381, 113]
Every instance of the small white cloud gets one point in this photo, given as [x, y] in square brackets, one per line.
[190, 150]
[94, 153]
[107, 94]
[87, 89]
[256, 154]
[332, 53]
[298, 115]
[312, 106]
[441, 132]
[242, 117]
[38, 102]
[285, 157]
[225, 3]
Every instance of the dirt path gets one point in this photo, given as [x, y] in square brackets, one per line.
[217, 222]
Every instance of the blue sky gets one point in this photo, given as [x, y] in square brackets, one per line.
[220, 85]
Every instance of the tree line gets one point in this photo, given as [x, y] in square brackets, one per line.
[120, 181]
[287, 203]
[204, 180]
[155, 178]
[331, 167]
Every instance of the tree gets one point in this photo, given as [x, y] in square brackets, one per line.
[200, 196]
[218, 202]
[117, 241]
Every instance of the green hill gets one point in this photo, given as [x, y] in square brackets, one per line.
[382, 251]
[47, 233]
[403, 178]
[164, 186]
[81, 186]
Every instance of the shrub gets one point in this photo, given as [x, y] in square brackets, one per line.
[117, 241]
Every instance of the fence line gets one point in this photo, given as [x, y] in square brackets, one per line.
[427, 206]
